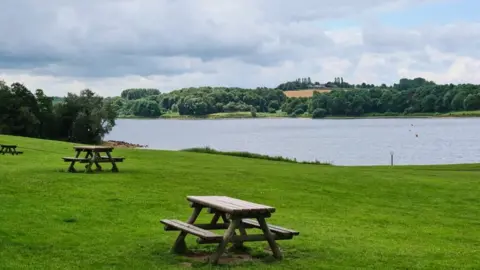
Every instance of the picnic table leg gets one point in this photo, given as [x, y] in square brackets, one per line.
[71, 168]
[180, 247]
[88, 167]
[114, 165]
[215, 219]
[97, 156]
[226, 238]
[271, 241]
[239, 245]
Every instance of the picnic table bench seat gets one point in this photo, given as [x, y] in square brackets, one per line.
[116, 159]
[76, 159]
[86, 160]
[189, 228]
[273, 228]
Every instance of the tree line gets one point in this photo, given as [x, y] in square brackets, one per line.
[199, 101]
[406, 97]
[87, 117]
[83, 118]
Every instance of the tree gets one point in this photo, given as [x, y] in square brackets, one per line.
[85, 118]
[472, 102]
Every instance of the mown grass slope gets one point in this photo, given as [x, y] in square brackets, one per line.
[349, 217]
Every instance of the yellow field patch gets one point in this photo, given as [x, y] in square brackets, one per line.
[305, 93]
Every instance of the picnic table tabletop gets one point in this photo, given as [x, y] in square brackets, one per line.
[230, 205]
[93, 147]
[8, 145]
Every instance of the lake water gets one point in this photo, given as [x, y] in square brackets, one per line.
[342, 142]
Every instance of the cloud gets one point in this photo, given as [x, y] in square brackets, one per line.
[110, 45]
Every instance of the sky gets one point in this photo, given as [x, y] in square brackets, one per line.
[107, 46]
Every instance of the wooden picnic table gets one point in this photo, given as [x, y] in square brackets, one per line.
[93, 156]
[9, 149]
[236, 214]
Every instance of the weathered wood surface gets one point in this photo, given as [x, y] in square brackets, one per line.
[116, 159]
[205, 226]
[227, 236]
[94, 148]
[192, 229]
[270, 238]
[273, 228]
[86, 160]
[180, 246]
[230, 205]
[76, 159]
[245, 238]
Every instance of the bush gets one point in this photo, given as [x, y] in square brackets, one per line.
[253, 111]
[319, 113]
[299, 112]
[208, 150]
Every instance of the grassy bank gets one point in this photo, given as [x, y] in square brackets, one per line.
[408, 217]
[208, 150]
[241, 115]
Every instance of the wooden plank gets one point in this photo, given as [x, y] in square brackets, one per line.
[273, 228]
[270, 238]
[245, 238]
[230, 205]
[180, 246]
[192, 229]
[225, 240]
[75, 159]
[92, 147]
[116, 159]
[68, 159]
[217, 226]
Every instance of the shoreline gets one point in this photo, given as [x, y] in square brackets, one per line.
[247, 115]
[122, 144]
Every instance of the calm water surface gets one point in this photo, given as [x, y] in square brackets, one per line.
[342, 142]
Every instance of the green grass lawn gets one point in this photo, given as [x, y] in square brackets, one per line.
[409, 217]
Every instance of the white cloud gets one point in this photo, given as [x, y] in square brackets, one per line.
[110, 45]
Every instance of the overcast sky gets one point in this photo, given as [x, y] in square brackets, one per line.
[108, 45]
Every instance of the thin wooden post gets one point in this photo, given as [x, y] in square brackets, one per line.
[180, 246]
[391, 158]
[226, 238]
[270, 238]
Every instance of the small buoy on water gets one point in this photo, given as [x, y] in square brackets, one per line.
[416, 135]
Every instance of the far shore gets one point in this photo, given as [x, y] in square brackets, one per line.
[248, 115]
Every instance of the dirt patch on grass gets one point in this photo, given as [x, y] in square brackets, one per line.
[232, 258]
